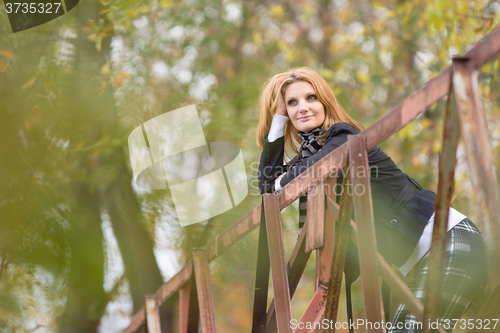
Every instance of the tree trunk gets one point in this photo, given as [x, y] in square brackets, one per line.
[94, 119]
[86, 297]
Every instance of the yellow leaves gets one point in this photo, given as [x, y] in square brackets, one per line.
[486, 90]
[120, 77]
[363, 77]
[257, 37]
[231, 74]
[327, 74]
[308, 11]
[102, 88]
[108, 28]
[33, 118]
[277, 11]
[426, 123]
[496, 21]
[379, 25]
[127, 4]
[166, 3]
[337, 91]
[29, 83]
[287, 51]
[101, 34]
[80, 145]
[436, 147]
[496, 65]
[106, 69]
[7, 54]
[408, 131]
[131, 12]
[99, 43]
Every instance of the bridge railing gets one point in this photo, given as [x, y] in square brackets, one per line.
[328, 226]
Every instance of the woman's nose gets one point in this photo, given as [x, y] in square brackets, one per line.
[303, 106]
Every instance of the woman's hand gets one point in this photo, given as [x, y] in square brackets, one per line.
[281, 107]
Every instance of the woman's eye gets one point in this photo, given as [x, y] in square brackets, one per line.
[312, 97]
[291, 102]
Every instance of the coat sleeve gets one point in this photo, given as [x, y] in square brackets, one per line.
[271, 164]
[335, 137]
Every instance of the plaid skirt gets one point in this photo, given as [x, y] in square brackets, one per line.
[465, 273]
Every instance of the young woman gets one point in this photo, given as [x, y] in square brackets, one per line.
[299, 113]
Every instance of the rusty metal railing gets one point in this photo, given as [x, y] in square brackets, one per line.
[329, 239]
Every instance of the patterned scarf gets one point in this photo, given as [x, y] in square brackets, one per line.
[310, 141]
[310, 145]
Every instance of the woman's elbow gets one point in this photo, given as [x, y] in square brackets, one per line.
[265, 186]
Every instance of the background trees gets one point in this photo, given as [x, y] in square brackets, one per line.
[72, 90]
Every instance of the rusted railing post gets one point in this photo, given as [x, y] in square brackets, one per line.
[478, 150]
[204, 290]
[261, 279]
[363, 211]
[339, 254]
[446, 184]
[325, 254]
[315, 218]
[189, 313]
[296, 266]
[184, 307]
[278, 263]
[152, 315]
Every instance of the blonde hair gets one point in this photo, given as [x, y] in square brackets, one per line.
[269, 100]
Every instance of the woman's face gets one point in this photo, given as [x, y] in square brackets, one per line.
[304, 109]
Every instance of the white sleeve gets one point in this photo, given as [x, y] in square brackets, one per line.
[277, 185]
[277, 127]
